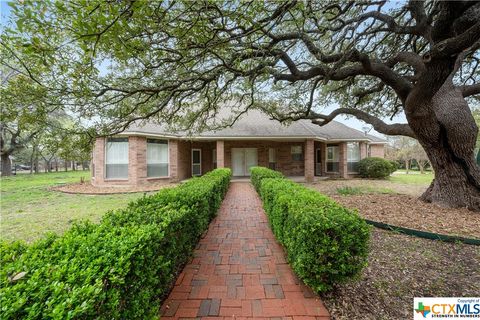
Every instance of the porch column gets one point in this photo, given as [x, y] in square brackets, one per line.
[363, 150]
[309, 160]
[343, 160]
[220, 154]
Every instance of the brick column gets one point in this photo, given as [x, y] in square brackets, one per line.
[343, 160]
[99, 161]
[363, 150]
[220, 154]
[309, 160]
[132, 160]
[173, 159]
[141, 160]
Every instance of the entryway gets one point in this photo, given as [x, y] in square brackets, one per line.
[240, 270]
[242, 160]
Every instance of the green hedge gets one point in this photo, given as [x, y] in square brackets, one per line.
[325, 242]
[118, 269]
[376, 168]
[259, 173]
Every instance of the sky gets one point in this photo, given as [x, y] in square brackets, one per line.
[349, 121]
[4, 11]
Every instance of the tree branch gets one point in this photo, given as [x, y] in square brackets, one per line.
[470, 90]
[396, 129]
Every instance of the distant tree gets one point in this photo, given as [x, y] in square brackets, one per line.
[22, 117]
[420, 156]
[407, 150]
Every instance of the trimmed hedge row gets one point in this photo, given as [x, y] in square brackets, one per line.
[118, 269]
[325, 242]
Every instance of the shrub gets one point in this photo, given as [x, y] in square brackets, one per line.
[118, 269]
[325, 242]
[377, 168]
[259, 173]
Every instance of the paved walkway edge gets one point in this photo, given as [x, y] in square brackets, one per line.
[239, 270]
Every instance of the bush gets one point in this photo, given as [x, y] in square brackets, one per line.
[118, 269]
[325, 242]
[376, 168]
[259, 173]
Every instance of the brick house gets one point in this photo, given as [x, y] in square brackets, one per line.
[149, 153]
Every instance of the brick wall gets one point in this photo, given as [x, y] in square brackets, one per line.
[309, 155]
[137, 163]
[284, 164]
[377, 150]
[180, 158]
[98, 161]
[343, 159]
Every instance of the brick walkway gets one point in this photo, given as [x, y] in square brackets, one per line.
[239, 270]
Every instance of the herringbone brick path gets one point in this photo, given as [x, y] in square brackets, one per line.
[239, 270]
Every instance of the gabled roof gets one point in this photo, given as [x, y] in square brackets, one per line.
[256, 124]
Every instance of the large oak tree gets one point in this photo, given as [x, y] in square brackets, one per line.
[178, 61]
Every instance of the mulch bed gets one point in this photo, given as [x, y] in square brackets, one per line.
[400, 268]
[87, 188]
[410, 212]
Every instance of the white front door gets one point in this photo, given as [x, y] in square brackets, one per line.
[242, 160]
[196, 162]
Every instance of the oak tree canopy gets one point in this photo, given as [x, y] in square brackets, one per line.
[177, 61]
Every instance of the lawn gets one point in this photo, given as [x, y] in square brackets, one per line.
[29, 208]
[411, 178]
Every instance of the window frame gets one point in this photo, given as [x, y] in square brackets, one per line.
[200, 162]
[327, 160]
[292, 153]
[359, 155]
[106, 154]
[168, 158]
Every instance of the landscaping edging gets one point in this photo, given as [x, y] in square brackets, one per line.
[423, 234]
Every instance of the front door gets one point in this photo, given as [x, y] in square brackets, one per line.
[196, 162]
[242, 160]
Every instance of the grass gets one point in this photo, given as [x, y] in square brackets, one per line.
[349, 191]
[29, 209]
[415, 178]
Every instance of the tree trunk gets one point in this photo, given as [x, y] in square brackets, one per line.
[36, 168]
[407, 165]
[66, 165]
[421, 166]
[32, 158]
[6, 165]
[56, 165]
[446, 129]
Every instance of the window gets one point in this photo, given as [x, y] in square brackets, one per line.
[157, 158]
[272, 159]
[333, 164]
[369, 151]
[116, 158]
[214, 157]
[297, 154]
[196, 162]
[353, 156]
